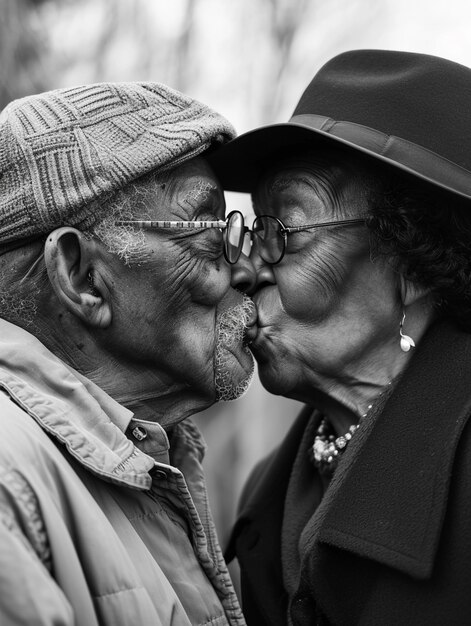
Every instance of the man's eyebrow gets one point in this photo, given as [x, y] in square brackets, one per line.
[200, 191]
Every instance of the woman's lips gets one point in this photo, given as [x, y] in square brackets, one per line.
[251, 333]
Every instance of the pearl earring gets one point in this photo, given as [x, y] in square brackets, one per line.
[406, 342]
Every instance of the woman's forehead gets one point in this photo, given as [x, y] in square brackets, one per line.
[308, 168]
[330, 179]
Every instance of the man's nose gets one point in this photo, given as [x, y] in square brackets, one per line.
[250, 273]
[243, 275]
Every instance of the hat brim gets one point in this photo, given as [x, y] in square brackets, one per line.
[240, 163]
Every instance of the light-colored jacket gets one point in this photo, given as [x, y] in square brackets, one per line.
[96, 527]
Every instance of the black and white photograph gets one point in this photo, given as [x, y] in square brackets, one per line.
[235, 313]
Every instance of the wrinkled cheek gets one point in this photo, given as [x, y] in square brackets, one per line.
[210, 287]
[188, 342]
[316, 289]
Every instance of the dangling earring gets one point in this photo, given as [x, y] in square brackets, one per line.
[406, 342]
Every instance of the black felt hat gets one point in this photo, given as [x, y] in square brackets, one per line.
[412, 111]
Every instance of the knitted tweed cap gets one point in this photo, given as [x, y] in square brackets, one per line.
[64, 151]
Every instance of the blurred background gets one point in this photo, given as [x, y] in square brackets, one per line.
[248, 59]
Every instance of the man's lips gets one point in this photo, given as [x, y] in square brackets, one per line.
[251, 329]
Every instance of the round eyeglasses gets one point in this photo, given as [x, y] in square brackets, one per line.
[270, 235]
[233, 230]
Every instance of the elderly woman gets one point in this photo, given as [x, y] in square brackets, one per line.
[360, 269]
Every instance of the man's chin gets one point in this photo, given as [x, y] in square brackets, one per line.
[240, 355]
[233, 374]
[234, 364]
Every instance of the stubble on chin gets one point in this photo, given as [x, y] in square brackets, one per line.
[230, 335]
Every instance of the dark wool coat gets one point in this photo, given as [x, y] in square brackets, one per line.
[394, 545]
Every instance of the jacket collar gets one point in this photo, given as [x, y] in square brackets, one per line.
[391, 497]
[72, 409]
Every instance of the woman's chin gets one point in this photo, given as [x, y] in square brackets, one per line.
[269, 381]
[275, 375]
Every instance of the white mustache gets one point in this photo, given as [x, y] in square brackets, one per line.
[230, 333]
[233, 322]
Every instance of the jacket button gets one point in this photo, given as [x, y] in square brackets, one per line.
[139, 433]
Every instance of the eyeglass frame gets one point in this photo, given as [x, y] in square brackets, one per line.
[195, 224]
[287, 230]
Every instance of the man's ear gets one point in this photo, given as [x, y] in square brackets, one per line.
[69, 258]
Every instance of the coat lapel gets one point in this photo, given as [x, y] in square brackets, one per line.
[391, 501]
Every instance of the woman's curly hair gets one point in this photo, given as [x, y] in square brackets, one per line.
[427, 234]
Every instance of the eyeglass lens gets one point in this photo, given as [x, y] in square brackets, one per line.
[269, 239]
[234, 236]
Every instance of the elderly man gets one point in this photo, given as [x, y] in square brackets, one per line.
[119, 322]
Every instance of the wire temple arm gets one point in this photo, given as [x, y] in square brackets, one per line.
[173, 224]
[296, 229]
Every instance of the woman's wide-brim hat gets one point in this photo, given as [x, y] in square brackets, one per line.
[411, 111]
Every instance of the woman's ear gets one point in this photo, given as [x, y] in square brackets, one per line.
[70, 258]
[412, 292]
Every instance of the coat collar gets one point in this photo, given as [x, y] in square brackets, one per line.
[391, 501]
[391, 492]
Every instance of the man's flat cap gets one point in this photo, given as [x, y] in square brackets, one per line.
[63, 152]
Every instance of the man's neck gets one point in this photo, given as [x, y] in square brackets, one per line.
[132, 384]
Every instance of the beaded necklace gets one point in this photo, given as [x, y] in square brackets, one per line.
[327, 449]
